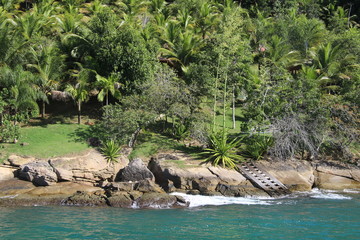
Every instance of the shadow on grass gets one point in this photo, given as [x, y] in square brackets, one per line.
[91, 135]
[40, 122]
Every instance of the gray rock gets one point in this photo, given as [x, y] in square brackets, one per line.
[40, 173]
[135, 171]
[156, 200]
[86, 199]
[120, 199]
[147, 186]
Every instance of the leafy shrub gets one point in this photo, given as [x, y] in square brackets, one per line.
[111, 151]
[222, 151]
[9, 132]
[256, 146]
[180, 131]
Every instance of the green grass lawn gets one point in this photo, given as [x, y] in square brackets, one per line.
[228, 120]
[46, 141]
[149, 144]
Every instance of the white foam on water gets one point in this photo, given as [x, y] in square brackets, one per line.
[326, 194]
[10, 196]
[351, 191]
[200, 200]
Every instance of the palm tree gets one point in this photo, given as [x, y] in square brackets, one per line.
[70, 22]
[48, 67]
[280, 53]
[108, 86]
[330, 67]
[157, 6]
[34, 23]
[21, 94]
[185, 19]
[180, 52]
[80, 91]
[207, 20]
[7, 38]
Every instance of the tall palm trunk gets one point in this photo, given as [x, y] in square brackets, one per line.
[43, 109]
[79, 112]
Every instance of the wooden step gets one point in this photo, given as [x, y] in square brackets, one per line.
[262, 179]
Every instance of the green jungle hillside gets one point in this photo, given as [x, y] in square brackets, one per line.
[244, 79]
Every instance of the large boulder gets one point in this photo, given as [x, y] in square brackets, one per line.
[334, 182]
[40, 173]
[135, 171]
[147, 186]
[337, 176]
[158, 200]
[296, 175]
[204, 179]
[120, 199]
[6, 173]
[89, 167]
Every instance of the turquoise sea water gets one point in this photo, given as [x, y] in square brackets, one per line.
[318, 215]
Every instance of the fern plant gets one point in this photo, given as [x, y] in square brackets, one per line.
[222, 151]
[110, 150]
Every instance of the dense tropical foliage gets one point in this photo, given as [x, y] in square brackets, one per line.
[291, 68]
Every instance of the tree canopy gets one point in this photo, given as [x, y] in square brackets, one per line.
[290, 67]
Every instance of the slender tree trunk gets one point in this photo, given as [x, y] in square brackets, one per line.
[43, 109]
[215, 94]
[233, 108]
[79, 112]
[134, 137]
[107, 98]
[224, 104]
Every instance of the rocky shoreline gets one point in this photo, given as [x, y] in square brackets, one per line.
[88, 180]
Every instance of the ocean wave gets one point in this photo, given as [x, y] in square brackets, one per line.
[351, 191]
[200, 200]
[326, 194]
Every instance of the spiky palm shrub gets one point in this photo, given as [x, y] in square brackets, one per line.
[222, 151]
[110, 150]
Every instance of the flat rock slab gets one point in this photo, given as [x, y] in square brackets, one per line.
[7, 173]
[335, 182]
[17, 161]
[296, 175]
[15, 187]
[63, 188]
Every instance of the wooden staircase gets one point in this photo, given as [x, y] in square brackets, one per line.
[262, 179]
